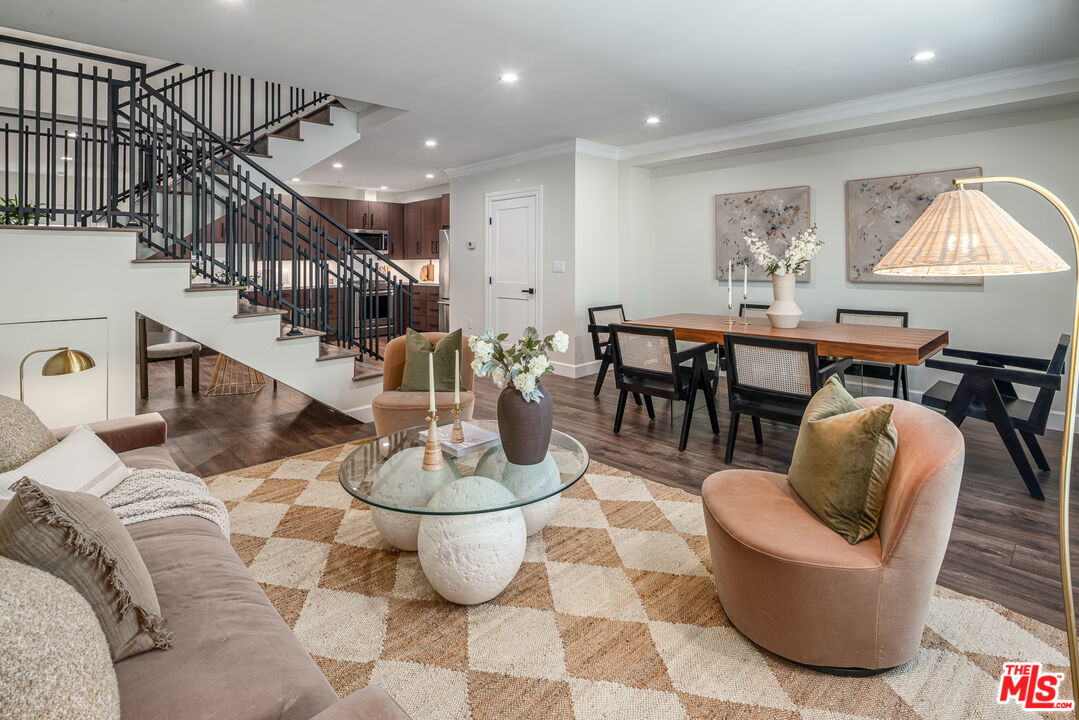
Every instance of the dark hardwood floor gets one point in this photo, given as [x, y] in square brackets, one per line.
[1003, 544]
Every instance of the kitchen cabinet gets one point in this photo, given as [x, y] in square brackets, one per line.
[412, 227]
[424, 308]
[445, 210]
[395, 224]
[430, 223]
[368, 215]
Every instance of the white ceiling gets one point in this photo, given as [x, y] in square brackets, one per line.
[592, 69]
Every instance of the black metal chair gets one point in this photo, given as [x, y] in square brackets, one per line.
[896, 374]
[987, 392]
[599, 321]
[772, 379]
[648, 362]
[753, 310]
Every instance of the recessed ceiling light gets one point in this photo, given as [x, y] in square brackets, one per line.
[72, 133]
[338, 165]
[652, 120]
[924, 56]
[431, 143]
[384, 187]
[66, 158]
[508, 77]
[430, 176]
[295, 179]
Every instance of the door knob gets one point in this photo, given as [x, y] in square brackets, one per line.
[530, 291]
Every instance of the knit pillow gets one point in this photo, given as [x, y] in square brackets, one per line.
[82, 462]
[77, 538]
[22, 434]
[54, 655]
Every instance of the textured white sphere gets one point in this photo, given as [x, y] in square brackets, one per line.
[492, 463]
[531, 481]
[470, 559]
[402, 482]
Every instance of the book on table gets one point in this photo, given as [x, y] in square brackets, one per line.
[476, 439]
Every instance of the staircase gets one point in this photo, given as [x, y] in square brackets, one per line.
[190, 160]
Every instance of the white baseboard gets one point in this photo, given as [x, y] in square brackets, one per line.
[363, 413]
[576, 371]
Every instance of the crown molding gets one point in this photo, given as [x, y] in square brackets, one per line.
[988, 84]
[600, 150]
[554, 149]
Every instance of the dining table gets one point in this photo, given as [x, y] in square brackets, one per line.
[878, 343]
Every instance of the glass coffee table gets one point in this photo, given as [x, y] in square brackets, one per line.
[468, 520]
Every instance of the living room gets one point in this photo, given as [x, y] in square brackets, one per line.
[376, 380]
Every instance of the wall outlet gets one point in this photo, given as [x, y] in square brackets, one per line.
[558, 266]
[470, 323]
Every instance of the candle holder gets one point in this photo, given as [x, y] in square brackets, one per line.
[432, 451]
[458, 434]
[745, 319]
[730, 319]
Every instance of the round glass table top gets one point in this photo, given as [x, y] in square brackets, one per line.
[387, 473]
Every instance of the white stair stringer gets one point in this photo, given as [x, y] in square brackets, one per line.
[94, 269]
[289, 158]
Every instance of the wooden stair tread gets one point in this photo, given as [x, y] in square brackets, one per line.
[260, 312]
[285, 137]
[217, 287]
[159, 261]
[334, 352]
[367, 370]
[303, 333]
[316, 122]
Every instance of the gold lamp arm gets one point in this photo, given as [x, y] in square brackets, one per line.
[22, 365]
[1069, 430]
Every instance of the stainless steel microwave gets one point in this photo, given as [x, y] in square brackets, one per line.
[376, 239]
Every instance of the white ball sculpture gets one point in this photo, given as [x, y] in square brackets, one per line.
[402, 482]
[532, 481]
[470, 559]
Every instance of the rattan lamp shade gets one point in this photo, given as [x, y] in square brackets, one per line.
[963, 232]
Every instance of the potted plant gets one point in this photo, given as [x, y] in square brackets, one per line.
[9, 212]
[784, 312]
[525, 408]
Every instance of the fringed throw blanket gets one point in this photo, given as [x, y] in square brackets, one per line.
[153, 494]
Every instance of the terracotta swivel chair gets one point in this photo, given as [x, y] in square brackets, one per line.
[395, 410]
[795, 587]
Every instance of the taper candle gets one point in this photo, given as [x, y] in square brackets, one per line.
[456, 377]
[745, 280]
[431, 379]
[730, 272]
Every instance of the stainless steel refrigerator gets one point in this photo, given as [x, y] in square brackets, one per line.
[443, 280]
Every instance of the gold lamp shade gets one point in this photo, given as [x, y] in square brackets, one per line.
[67, 361]
[963, 232]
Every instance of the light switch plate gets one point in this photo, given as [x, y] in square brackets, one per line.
[471, 245]
[558, 266]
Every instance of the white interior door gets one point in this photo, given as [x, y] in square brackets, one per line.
[512, 290]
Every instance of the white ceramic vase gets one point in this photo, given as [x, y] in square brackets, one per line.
[784, 312]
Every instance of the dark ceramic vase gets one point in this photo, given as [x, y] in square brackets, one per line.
[525, 427]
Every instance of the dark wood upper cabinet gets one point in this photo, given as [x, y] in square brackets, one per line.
[413, 245]
[445, 210]
[357, 214]
[395, 224]
[431, 217]
[377, 215]
[337, 209]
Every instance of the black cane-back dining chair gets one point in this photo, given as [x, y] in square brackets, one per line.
[648, 362]
[772, 379]
[987, 392]
[752, 310]
[895, 374]
[599, 321]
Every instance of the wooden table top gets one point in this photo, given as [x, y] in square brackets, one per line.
[898, 345]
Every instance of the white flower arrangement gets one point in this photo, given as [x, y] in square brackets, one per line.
[800, 251]
[521, 364]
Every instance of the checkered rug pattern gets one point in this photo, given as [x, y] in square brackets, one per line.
[613, 615]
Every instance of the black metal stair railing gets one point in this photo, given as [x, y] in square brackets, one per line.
[89, 140]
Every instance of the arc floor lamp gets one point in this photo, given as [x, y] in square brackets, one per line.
[963, 232]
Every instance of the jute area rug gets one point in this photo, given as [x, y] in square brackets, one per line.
[613, 615]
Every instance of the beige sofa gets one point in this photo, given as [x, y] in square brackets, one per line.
[795, 587]
[395, 410]
[233, 656]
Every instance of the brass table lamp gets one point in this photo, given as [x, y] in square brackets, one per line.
[64, 362]
[963, 232]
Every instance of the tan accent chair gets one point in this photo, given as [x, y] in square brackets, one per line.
[795, 587]
[395, 410]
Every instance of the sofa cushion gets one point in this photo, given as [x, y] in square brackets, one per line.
[233, 656]
[22, 434]
[81, 462]
[151, 457]
[418, 349]
[55, 658]
[77, 538]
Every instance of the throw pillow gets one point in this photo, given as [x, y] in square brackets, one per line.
[843, 459]
[417, 349]
[22, 434]
[81, 462]
[77, 538]
[54, 654]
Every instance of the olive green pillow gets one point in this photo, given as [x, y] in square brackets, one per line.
[843, 460]
[417, 349]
